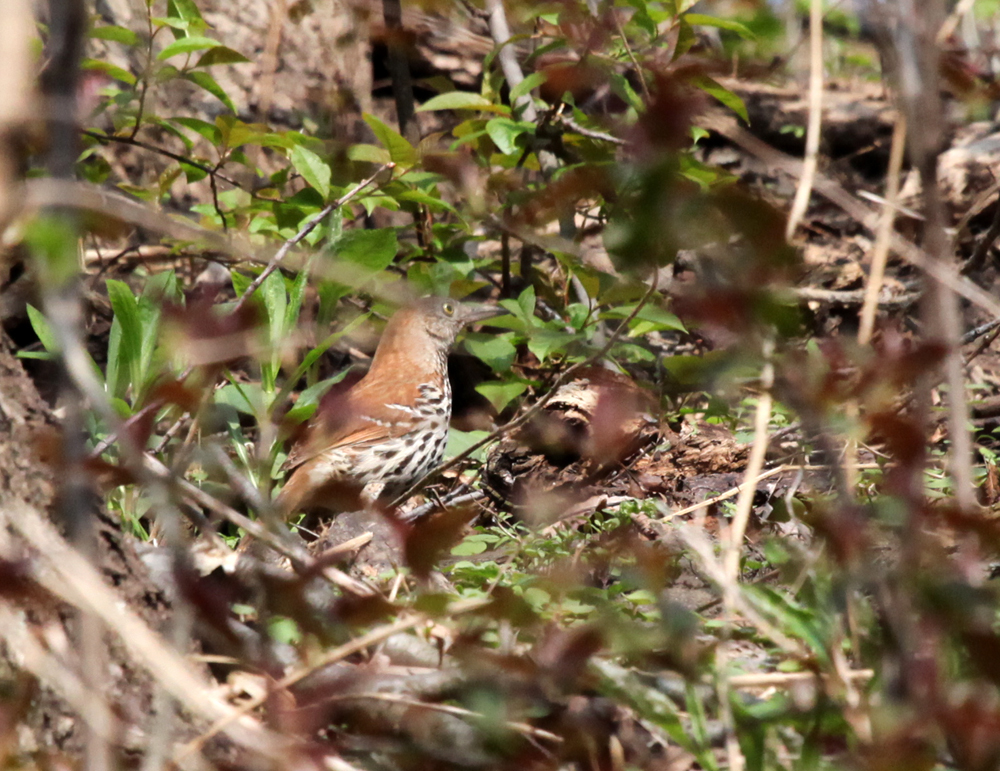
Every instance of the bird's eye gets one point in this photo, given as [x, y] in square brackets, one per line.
[449, 309]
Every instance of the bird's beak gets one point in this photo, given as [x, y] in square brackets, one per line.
[474, 313]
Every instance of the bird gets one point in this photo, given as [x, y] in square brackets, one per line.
[391, 427]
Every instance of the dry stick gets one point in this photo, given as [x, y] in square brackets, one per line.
[880, 253]
[919, 95]
[306, 229]
[289, 549]
[727, 127]
[876, 276]
[68, 575]
[109, 138]
[734, 491]
[394, 698]
[534, 409]
[771, 679]
[53, 673]
[733, 544]
[339, 653]
[804, 192]
[978, 258]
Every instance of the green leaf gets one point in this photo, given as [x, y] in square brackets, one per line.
[530, 82]
[115, 33]
[496, 350]
[505, 131]
[700, 20]
[653, 314]
[544, 341]
[111, 70]
[460, 441]
[401, 152]
[501, 394]
[526, 302]
[468, 548]
[247, 398]
[368, 154]
[221, 55]
[203, 128]
[462, 100]
[42, 328]
[207, 82]
[373, 250]
[129, 352]
[723, 94]
[186, 45]
[312, 168]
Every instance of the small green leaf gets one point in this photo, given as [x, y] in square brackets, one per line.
[700, 20]
[723, 94]
[501, 394]
[495, 350]
[42, 328]
[207, 82]
[368, 154]
[111, 70]
[203, 128]
[462, 100]
[373, 250]
[115, 33]
[221, 55]
[126, 310]
[530, 82]
[401, 152]
[460, 441]
[312, 168]
[468, 548]
[186, 45]
[504, 133]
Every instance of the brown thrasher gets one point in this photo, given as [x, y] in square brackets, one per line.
[391, 427]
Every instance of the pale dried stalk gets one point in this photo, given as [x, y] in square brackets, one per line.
[781, 679]
[836, 194]
[339, 653]
[880, 253]
[69, 576]
[815, 120]
[733, 541]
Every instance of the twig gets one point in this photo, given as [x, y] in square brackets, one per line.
[885, 227]
[849, 297]
[974, 334]
[836, 194]
[564, 377]
[978, 258]
[131, 141]
[733, 491]
[769, 679]
[815, 120]
[304, 231]
[733, 542]
[330, 657]
[567, 121]
[63, 571]
[394, 698]
[450, 501]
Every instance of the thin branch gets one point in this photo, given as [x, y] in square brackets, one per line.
[836, 194]
[339, 653]
[815, 120]
[978, 258]
[304, 231]
[394, 698]
[132, 141]
[880, 254]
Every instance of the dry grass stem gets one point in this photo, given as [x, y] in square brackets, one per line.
[815, 119]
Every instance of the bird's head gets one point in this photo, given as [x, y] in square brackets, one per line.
[443, 319]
